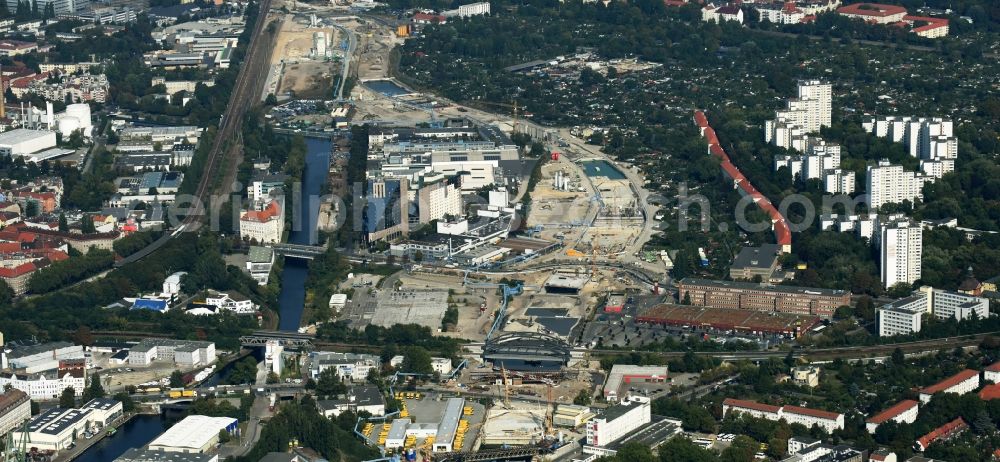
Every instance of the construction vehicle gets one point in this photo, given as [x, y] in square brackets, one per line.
[174, 394]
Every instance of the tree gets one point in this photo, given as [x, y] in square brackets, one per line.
[67, 399]
[416, 360]
[87, 225]
[31, 209]
[742, 450]
[224, 436]
[898, 358]
[271, 100]
[329, 384]
[582, 398]
[63, 223]
[635, 452]
[176, 379]
[128, 405]
[272, 377]
[95, 390]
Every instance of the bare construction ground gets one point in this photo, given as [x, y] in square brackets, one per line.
[306, 75]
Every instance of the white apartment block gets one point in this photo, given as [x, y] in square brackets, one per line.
[904, 411]
[618, 420]
[937, 168]
[839, 181]
[901, 245]
[349, 366]
[924, 137]
[891, 184]
[992, 373]
[805, 114]
[780, 13]
[903, 316]
[437, 199]
[961, 383]
[826, 420]
[472, 9]
[231, 301]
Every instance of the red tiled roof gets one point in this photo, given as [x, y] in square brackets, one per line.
[943, 431]
[811, 412]
[17, 271]
[995, 367]
[990, 392]
[263, 216]
[932, 23]
[899, 408]
[9, 247]
[871, 9]
[428, 17]
[745, 404]
[950, 382]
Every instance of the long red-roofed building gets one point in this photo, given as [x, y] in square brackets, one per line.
[826, 420]
[943, 432]
[904, 411]
[782, 233]
[961, 383]
[992, 373]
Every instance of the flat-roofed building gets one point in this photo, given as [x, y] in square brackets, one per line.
[145, 455]
[103, 411]
[761, 297]
[195, 434]
[622, 375]
[447, 429]
[618, 420]
[55, 429]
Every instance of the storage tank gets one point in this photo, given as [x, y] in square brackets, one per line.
[67, 125]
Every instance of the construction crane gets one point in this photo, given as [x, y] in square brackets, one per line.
[514, 107]
[506, 386]
[549, 416]
[17, 451]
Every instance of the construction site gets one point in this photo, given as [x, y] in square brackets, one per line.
[307, 56]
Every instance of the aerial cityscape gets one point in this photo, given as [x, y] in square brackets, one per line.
[510, 230]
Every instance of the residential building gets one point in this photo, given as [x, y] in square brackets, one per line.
[903, 316]
[622, 375]
[780, 13]
[262, 184]
[904, 411]
[942, 433]
[472, 9]
[838, 181]
[717, 13]
[184, 353]
[437, 200]
[46, 385]
[16, 47]
[961, 383]
[992, 373]
[900, 252]
[806, 376]
[805, 114]
[762, 297]
[15, 408]
[873, 12]
[265, 225]
[231, 300]
[891, 184]
[929, 138]
[195, 434]
[618, 420]
[829, 421]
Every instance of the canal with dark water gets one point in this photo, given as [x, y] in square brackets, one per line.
[136, 433]
[293, 279]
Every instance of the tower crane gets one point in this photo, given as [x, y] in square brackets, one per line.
[514, 107]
